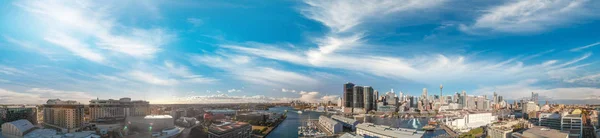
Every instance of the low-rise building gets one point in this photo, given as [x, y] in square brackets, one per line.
[573, 124]
[230, 130]
[541, 132]
[252, 116]
[14, 113]
[153, 123]
[504, 129]
[330, 125]
[550, 120]
[471, 120]
[372, 130]
[16, 128]
[346, 122]
[225, 112]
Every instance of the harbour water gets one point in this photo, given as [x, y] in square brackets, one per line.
[289, 127]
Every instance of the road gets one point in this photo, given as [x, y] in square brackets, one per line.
[448, 130]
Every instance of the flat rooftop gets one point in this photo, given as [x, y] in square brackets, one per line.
[157, 116]
[574, 115]
[544, 132]
[388, 131]
[226, 127]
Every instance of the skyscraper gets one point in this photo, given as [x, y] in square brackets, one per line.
[534, 97]
[496, 98]
[463, 97]
[370, 98]
[441, 94]
[348, 99]
[425, 99]
[359, 98]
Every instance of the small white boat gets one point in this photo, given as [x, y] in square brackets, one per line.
[299, 112]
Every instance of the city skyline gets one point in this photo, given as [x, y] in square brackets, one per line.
[278, 51]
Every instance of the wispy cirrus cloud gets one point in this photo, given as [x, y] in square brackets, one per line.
[341, 16]
[41, 95]
[95, 25]
[77, 47]
[529, 16]
[424, 69]
[254, 73]
[524, 88]
[585, 47]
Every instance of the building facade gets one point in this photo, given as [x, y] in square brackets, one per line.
[346, 122]
[64, 115]
[110, 110]
[330, 125]
[573, 124]
[348, 100]
[14, 113]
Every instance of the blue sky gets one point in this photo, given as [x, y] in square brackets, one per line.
[255, 51]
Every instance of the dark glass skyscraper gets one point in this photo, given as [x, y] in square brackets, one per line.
[348, 99]
[359, 97]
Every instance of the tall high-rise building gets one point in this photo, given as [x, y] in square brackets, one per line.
[111, 110]
[424, 93]
[348, 99]
[412, 102]
[464, 99]
[441, 94]
[425, 99]
[362, 99]
[359, 98]
[339, 102]
[534, 97]
[370, 98]
[496, 98]
[64, 115]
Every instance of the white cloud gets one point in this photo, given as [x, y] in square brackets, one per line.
[529, 16]
[41, 95]
[74, 45]
[425, 69]
[253, 73]
[525, 87]
[33, 47]
[311, 97]
[11, 71]
[94, 24]
[589, 79]
[316, 97]
[340, 15]
[185, 74]
[224, 98]
[585, 47]
[46, 93]
[149, 78]
[233, 90]
[195, 21]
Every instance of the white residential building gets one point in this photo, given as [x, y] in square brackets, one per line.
[330, 124]
[346, 122]
[471, 120]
